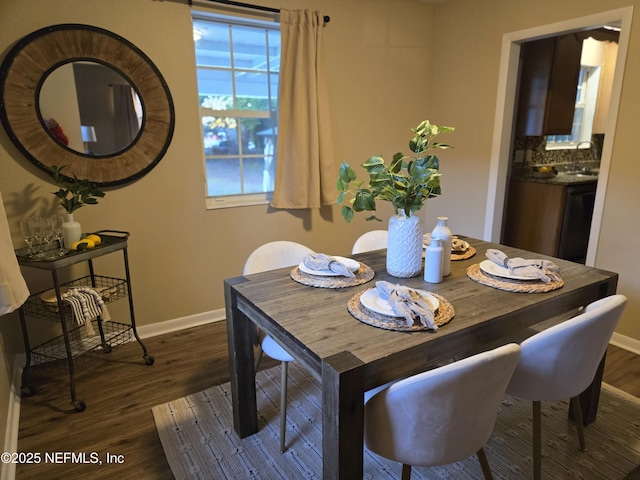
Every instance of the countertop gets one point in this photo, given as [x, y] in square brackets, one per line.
[589, 174]
[561, 179]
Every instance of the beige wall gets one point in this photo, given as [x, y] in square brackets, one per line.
[390, 65]
[466, 60]
[179, 252]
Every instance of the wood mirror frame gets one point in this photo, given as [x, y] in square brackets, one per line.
[28, 64]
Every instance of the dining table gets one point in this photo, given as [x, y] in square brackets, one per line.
[317, 325]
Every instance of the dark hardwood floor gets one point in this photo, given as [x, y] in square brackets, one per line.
[120, 390]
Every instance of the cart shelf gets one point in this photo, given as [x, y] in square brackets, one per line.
[111, 289]
[81, 344]
[74, 343]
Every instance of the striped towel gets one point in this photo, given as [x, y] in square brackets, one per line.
[86, 305]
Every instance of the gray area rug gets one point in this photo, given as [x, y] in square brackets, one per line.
[199, 441]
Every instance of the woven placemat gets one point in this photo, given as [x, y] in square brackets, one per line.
[364, 274]
[475, 273]
[444, 315]
[468, 253]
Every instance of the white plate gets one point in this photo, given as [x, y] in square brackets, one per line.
[350, 263]
[487, 266]
[372, 300]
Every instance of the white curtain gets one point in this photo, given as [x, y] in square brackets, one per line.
[305, 169]
[13, 289]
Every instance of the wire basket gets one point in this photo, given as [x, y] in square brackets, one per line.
[82, 344]
[45, 304]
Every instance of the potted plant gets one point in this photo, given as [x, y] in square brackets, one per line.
[407, 181]
[73, 194]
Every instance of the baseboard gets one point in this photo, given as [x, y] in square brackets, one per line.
[8, 469]
[168, 326]
[628, 343]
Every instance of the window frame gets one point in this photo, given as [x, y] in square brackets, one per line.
[241, 199]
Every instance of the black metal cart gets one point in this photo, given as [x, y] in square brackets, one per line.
[74, 342]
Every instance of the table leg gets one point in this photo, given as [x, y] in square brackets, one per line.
[243, 387]
[342, 417]
[589, 399]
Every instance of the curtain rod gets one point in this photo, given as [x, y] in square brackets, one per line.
[326, 18]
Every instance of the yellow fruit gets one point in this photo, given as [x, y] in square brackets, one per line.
[83, 244]
[94, 238]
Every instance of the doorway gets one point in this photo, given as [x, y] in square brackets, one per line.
[504, 119]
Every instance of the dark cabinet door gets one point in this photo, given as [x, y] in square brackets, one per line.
[549, 72]
[533, 219]
[578, 213]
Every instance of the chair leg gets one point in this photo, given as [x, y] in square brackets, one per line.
[406, 472]
[283, 405]
[577, 413]
[537, 440]
[484, 463]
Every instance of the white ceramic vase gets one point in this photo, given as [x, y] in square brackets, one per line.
[71, 231]
[404, 247]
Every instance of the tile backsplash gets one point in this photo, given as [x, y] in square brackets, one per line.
[541, 156]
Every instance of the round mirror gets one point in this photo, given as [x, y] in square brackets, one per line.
[44, 82]
[90, 108]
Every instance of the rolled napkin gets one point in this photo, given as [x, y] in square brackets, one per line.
[321, 261]
[544, 270]
[407, 303]
[458, 245]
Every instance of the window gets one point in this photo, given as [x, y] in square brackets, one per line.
[237, 63]
[586, 100]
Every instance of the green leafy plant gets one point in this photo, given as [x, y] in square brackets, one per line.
[74, 192]
[406, 182]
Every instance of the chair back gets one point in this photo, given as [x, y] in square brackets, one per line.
[561, 361]
[273, 255]
[373, 240]
[443, 415]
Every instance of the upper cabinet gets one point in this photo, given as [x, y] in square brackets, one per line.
[548, 85]
[606, 85]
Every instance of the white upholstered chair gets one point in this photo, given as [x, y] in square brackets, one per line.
[373, 240]
[443, 415]
[270, 256]
[560, 362]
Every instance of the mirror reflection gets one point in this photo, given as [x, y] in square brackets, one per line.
[90, 108]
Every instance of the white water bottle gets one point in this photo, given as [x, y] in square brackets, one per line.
[442, 233]
[433, 262]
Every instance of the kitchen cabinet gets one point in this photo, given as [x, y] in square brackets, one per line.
[605, 88]
[549, 74]
[534, 216]
[550, 218]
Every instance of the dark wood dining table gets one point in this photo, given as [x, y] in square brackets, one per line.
[349, 357]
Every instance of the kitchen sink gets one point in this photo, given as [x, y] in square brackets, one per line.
[582, 173]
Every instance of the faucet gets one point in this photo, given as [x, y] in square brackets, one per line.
[594, 152]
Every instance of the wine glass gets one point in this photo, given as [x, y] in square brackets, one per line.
[47, 235]
[56, 225]
[27, 234]
[37, 225]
